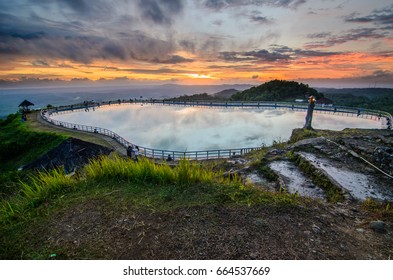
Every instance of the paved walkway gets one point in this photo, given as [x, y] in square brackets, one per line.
[82, 135]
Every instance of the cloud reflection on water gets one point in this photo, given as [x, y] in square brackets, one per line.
[192, 128]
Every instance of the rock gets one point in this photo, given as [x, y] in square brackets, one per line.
[260, 222]
[276, 152]
[378, 226]
[253, 256]
[309, 141]
[316, 228]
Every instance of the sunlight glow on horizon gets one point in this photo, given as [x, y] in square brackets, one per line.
[188, 42]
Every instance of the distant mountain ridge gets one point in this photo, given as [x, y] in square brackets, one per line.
[367, 92]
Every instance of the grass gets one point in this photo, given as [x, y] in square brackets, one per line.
[117, 184]
[379, 210]
[18, 145]
[144, 182]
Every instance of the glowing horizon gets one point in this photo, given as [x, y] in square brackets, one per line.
[194, 42]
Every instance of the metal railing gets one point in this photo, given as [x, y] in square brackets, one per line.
[199, 155]
[151, 152]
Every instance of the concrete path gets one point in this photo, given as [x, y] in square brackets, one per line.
[41, 125]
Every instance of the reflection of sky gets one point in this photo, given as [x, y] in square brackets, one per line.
[191, 128]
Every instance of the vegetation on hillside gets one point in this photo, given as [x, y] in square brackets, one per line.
[137, 185]
[19, 146]
[195, 97]
[381, 103]
[281, 90]
[277, 90]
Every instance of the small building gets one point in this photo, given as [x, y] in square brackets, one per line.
[25, 105]
[324, 101]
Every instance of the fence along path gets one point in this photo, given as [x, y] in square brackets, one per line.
[207, 154]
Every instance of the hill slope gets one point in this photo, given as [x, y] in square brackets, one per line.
[277, 90]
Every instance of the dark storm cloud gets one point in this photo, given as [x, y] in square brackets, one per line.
[351, 35]
[174, 59]
[79, 6]
[163, 70]
[321, 35]
[12, 26]
[267, 56]
[114, 50]
[78, 33]
[40, 63]
[187, 45]
[85, 9]
[160, 12]
[85, 49]
[380, 17]
[222, 4]
[259, 55]
[276, 53]
[261, 19]
[296, 53]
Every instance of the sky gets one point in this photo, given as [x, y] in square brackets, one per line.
[323, 43]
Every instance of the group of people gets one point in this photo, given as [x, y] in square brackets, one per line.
[133, 152]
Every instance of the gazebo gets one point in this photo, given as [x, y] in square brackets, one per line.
[25, 105]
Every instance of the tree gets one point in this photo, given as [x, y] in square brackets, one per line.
[277, 90]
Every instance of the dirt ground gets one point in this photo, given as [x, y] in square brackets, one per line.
[211, 232]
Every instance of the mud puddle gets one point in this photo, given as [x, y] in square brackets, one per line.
[359, 185]
[295, 181]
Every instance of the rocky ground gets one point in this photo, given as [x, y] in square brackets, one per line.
[211, 232]
[316, 229]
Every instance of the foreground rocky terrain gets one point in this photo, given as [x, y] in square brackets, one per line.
[356, 222]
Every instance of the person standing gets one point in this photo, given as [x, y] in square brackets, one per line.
[310, 110]
[136, 152]
[129, 151]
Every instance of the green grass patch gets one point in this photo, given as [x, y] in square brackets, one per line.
[379, 210]
[144, 183]
[19, 146]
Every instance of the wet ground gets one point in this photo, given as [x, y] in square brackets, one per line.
[295, 181]
[360, 165]
[360, 185]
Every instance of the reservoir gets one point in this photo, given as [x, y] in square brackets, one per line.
[196, 128]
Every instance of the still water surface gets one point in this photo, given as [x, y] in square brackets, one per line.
[184, 128]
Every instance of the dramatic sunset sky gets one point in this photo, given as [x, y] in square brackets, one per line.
[337, 43]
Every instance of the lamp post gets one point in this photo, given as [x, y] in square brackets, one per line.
[310, 110]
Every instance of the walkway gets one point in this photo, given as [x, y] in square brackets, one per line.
[39, 124]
